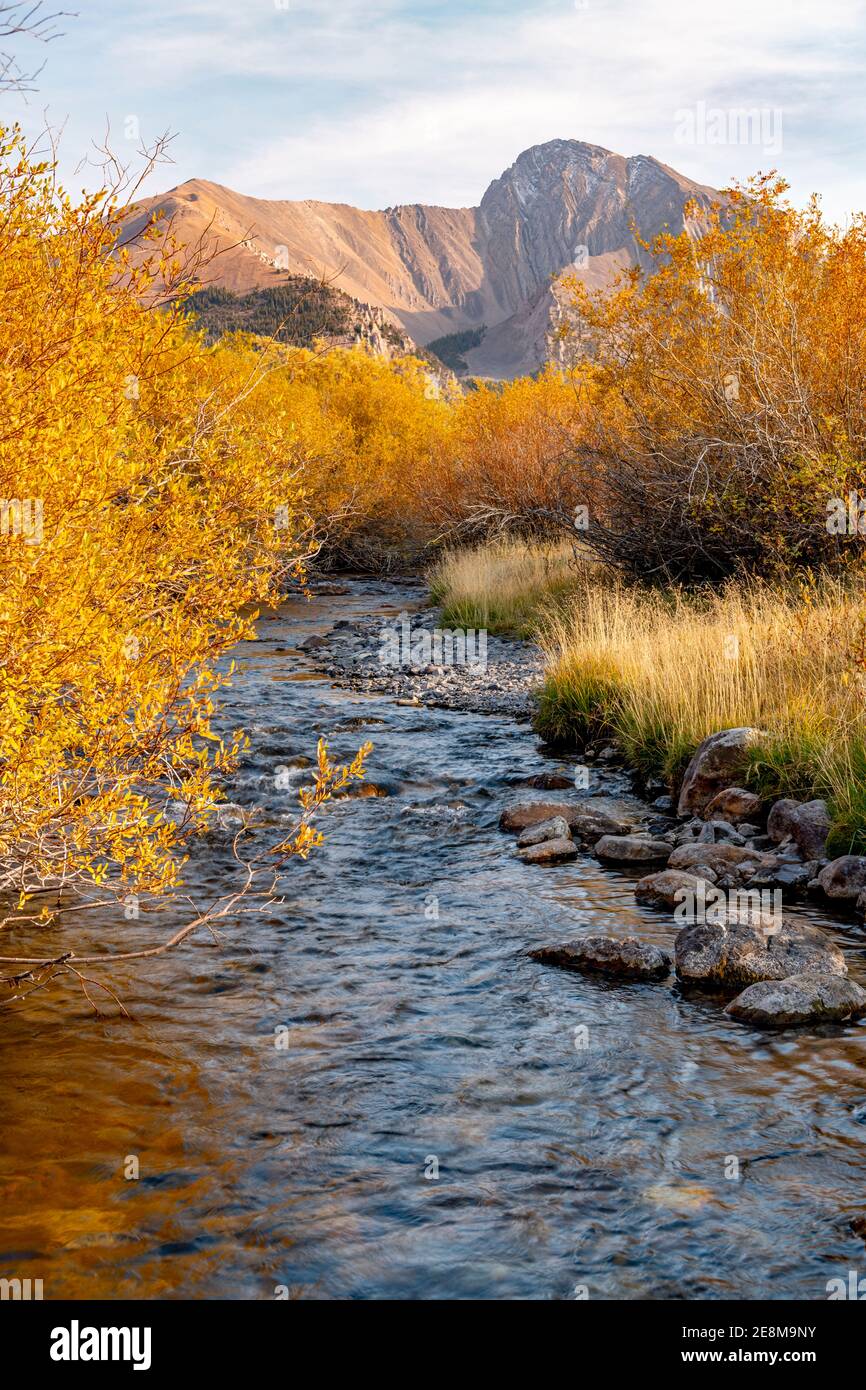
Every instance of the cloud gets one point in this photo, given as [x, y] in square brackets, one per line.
[380, 101]
[455, 114]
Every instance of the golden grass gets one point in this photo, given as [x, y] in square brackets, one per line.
[658, 671]
[504, 586]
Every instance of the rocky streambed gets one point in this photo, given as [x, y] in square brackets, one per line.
[724, 865]
[361, 656]
[387, 1085]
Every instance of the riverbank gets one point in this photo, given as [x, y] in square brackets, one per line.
[655, 671]
[707, 833]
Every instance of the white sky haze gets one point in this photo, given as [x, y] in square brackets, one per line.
[390, 101]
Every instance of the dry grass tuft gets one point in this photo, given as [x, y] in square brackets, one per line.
[506, 585]
[660, 670]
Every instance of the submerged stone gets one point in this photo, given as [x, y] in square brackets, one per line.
[624, 957]
[628, 849]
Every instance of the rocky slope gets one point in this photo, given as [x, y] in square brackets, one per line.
[436, 271]
[301, 311]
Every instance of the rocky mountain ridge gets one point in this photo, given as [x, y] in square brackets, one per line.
[437, 271]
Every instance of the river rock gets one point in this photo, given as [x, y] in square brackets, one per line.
[550, 781]
[780, 821]
[716, 832]
[591, 823]
[631, 849]
[762, 843]
[525, 813]
[732, 956]
[807, 823]
[803, 998]
[792, 878]
[554, 829]
[786, 872]
[731, 866]
[716, 764]
[734, 804]
[550, 852]
[625, 957]
[690, 833]
[661, 889]
[812, 825]
[662, 828]
[845, 878]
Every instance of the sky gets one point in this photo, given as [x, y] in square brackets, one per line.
[379, 102]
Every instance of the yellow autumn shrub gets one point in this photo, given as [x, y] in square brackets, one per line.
[509, 463]
[359, 434]
[141, 523]
[730, 393]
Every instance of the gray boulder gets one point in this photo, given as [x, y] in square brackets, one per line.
[732, 956]
[780, 821]
[554, 829]
[844, 879]
[632, 849]
[623, 957]
[717, 763]
[812, 825]
[807, 823]
[803, 998]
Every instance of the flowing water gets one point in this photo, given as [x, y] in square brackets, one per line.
[291, 1096]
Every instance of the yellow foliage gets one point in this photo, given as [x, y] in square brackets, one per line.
[155, 492]
[730, 390]
[510, 460]
[142, 523]
[361, 433]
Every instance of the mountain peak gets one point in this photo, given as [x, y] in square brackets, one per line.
[434, 271]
